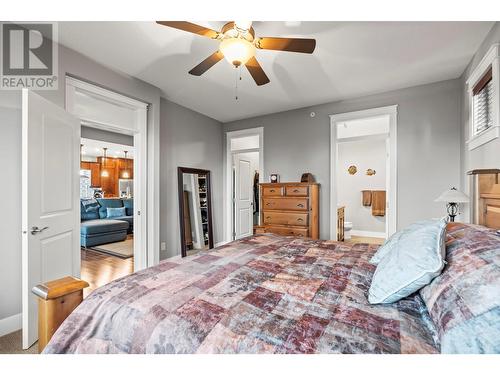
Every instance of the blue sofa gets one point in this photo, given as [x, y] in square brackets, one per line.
[97, 229]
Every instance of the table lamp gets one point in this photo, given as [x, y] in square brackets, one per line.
[452, 197]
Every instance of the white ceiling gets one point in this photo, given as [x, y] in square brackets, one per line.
[351, 59]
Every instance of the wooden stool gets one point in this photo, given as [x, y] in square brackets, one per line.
[56, 300]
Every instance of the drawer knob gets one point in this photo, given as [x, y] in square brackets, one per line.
[300, 205]
[268, 217]
[295, 190]
[300, 219]
[268, 204]
[272, 190]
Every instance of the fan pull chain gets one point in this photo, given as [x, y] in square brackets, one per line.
[238, 78]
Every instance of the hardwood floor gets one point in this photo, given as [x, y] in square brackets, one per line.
[99, 269]
[370, 240]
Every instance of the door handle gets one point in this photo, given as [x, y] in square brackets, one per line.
[36, 230]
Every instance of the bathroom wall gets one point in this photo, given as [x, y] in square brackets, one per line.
[364, 154]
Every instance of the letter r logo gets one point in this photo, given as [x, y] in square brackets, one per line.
[27, 49]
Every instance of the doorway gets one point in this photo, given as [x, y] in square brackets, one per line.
[363, 175]
[107, 111]
[244, 172]
[106, 206]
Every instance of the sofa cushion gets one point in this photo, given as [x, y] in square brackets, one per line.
[128, 219]
[102, 226]
[129, 205]
[108, 202]
[416, 259]
[464, 301]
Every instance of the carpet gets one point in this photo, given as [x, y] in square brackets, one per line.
[12, 344]
[121, 249]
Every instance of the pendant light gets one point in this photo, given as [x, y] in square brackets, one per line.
[125, 173]
[104, 172]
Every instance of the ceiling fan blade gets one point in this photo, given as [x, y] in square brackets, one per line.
[287, 44]
[256, 72]
[190, 28]
[206, 64]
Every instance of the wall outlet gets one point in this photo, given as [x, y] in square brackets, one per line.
[163, 246]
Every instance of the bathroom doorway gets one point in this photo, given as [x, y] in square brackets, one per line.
[363, 175]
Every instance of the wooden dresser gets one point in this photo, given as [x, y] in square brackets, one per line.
[290, 209]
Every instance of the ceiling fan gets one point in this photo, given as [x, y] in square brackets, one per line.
[238, 45]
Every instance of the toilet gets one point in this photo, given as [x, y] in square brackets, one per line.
[347, 230]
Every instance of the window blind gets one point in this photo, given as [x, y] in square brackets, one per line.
[483, 103]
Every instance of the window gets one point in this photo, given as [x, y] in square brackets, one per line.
[85, 178]
[482, 99]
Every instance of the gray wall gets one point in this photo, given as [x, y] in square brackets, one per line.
[367, 153]
[106, 136]
[428, 145]
[10, 221]
[187, 139]
[487, 155]
[73, 63]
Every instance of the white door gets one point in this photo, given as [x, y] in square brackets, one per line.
[50, 200]
[243, 197]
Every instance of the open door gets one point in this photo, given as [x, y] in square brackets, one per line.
[243, 197]
[50, 201]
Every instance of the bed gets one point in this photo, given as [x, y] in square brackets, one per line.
[270, 294]
[264, 294]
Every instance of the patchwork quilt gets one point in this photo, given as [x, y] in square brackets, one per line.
[262, 294]
[464, 301]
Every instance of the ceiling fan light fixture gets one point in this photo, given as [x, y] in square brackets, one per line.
[243, 25]
[237, 51]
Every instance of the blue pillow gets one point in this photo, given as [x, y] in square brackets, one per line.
[90, 205]
[416, 258]
[108, 202]
[115, 212]
[388, 245]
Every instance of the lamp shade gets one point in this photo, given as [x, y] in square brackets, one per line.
[453, 196]
[237, 50]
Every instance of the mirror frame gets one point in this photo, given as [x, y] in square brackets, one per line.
[180, 191]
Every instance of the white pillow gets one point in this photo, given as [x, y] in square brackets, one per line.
[415, 258]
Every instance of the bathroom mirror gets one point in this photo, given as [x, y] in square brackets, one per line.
[195, 210]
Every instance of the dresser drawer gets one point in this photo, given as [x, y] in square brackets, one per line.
[268, 191]
[296, 191]
[299, 204]
[285, 218]
[288, 231]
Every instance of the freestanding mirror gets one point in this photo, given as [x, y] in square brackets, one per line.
[195, 210]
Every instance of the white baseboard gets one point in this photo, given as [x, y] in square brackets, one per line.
[364, 233]
[221, 243]
[10, 324]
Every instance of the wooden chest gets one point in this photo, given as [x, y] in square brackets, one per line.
[290, 208]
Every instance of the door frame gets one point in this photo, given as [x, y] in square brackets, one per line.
[228, 192]
[144, 255]
[391, 205]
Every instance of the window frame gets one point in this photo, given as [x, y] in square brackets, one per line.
[490, 60]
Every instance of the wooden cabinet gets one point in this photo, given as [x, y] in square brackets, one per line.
[290, 209]
[117, 168]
